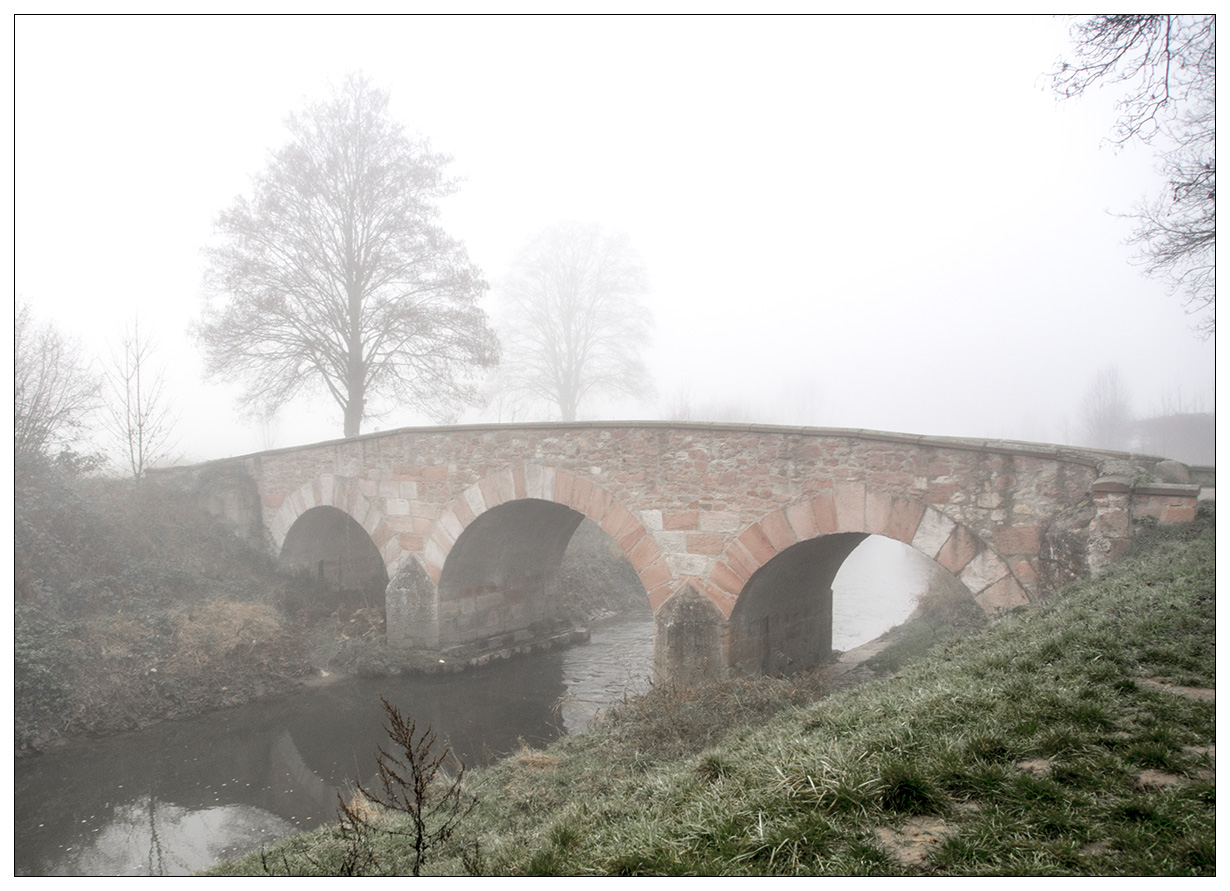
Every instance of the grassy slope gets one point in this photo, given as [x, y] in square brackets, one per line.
[1030, 749]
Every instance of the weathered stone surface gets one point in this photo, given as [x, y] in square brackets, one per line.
[688, 639]
[710, 506]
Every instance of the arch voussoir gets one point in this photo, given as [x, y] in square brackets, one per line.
[853, 508]
[586, 496]
[327, 490]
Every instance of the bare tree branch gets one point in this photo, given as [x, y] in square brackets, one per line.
[137, 414]
[53, 390]
[1167, 66]
[335, 274]
[573, 328]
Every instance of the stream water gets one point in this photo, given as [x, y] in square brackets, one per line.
[178, 796]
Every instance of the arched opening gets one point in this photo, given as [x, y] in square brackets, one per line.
[597, 584]
[531, 567]
[783, 620]
[498, 575]
[836, 592]
[885, 583]
[330, 550]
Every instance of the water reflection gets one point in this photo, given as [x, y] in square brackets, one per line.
[179, 796]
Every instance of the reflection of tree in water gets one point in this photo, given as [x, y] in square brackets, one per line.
[155, 844]
[152, 837]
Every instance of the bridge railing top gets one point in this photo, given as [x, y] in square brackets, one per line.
[1088, 457]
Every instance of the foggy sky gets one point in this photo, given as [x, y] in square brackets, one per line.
[884, 223]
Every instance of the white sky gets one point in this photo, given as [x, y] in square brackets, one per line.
[882, 222]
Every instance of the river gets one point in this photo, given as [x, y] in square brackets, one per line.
[179, 796]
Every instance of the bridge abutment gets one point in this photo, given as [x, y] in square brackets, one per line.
[732, 530]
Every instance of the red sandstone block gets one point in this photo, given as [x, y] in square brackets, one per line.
[740, 561]
[382, 535]
[410, 542]
[824, 509]
[704, 543]
[490, 487]
[801, 519]
[1002, 596]
[581, 489]
[879, 508]
[680, 520]
[643, 553]
[563, 487]
[904, 520]
[725, 579]
[939, 493]
[758, 544]
[1179, 514]
[436, 473]
[659, 596]
[614, 519]
[462, 510]
[599, 504]
[724, 601]
[777, 529]
[960, 548]
[850, 503]
[1024, 570]
[630, 536]
[273, 502]
[411, 474]
[518, 480]
[1017, 539]
[657, 573]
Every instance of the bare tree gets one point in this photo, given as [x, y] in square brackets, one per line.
[336, 274]
[54, 392]
[138, 415]
[1167, 64]
[1106, 414]
[572, 326]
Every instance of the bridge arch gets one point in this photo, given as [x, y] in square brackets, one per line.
[773, 582]
[856, 509]
[529, 482]
[343, 494]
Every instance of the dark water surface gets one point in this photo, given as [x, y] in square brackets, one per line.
[182, 795]
[179, 796]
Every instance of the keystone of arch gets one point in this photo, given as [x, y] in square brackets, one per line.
[582, 494]
[852, 507]
[343, 493]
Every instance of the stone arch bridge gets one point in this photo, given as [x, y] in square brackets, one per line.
[736, 532]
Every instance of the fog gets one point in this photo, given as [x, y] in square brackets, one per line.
[885, 223]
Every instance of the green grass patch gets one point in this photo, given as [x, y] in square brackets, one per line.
[1029, 748]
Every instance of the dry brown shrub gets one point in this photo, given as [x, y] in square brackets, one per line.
[221, 626]
[533, 759]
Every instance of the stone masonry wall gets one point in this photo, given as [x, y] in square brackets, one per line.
[707, 505]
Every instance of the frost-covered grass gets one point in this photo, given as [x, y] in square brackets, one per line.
[1063, 740]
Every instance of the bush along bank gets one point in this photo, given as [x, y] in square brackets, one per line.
[132, 605]
[1074, 737]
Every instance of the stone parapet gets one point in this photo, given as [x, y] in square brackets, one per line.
[703, 507]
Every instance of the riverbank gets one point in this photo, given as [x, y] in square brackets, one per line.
[1075, 737]
[134, 606]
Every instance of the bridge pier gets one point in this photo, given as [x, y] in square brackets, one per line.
[735, 532]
